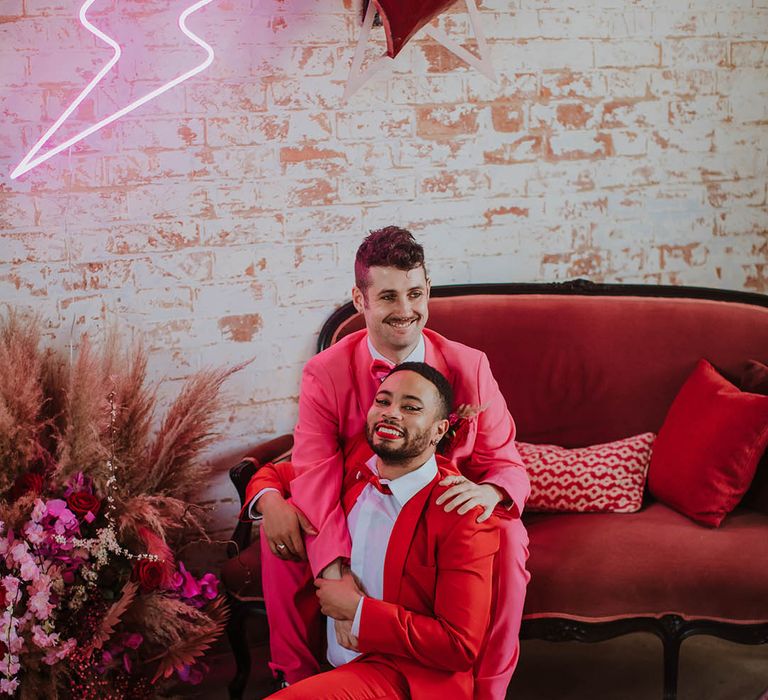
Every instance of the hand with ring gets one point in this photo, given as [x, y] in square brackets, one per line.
[284, 526]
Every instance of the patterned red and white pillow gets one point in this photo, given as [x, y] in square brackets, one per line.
[607, 478]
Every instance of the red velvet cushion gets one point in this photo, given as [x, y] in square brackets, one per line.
[656, 561]
[707, 450]
[607, 478]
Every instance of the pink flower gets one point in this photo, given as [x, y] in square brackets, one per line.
[186, 582]
[20, 551]
[210, 586]
[38, 512]
[8, 686]
[29, 570]
[63, 651]
[133, 640]
[34, 532]
[10, 665]
[55, 507]
[190, 674]
[43, 640]
[40, 605]
[11, 584]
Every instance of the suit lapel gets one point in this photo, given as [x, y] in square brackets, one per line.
[401, 538]
[434, 357]
[363, 383]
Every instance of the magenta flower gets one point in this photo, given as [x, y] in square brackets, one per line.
[133, 640]
[186, 583]
[191, 674]
[210, 585]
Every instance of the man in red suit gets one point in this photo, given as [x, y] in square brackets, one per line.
[412, 612]
[338, 385]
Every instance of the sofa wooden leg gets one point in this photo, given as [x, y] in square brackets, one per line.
[672, 632]
[671, 661]
[239, 644]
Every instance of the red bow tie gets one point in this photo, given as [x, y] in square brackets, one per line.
[354, 487]
[380, 369]
[364, 473]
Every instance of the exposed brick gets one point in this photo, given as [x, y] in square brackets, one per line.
[567, 84]
[749, 53]
[525, 148]
[577, 145]
[686, 52]
[437, 122]
[240, 329]
[362, 125]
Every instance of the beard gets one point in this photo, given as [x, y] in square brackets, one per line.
[412, 445]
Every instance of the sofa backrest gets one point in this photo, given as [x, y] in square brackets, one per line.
[594, 363]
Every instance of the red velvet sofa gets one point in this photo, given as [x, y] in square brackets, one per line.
[582, 364]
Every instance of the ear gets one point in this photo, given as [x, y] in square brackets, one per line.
[441, 429]
[358, 299]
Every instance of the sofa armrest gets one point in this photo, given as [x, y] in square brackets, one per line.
[241, 474]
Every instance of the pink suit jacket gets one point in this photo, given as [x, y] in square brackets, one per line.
[337, 389]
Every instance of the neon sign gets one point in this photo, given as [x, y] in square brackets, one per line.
[32, 160]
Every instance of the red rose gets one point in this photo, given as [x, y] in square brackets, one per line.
[82, 502]
[3, 597]
[149, 574]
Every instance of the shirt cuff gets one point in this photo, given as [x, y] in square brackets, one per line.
[358, 616]
[254, 514]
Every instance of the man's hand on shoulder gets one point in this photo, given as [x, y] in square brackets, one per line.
[466, 495]
[284, 526]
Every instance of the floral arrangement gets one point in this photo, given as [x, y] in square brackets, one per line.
[94, 512]
[458, 427]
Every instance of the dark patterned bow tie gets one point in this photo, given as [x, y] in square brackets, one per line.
[380, 369]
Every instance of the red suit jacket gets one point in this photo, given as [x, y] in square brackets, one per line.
[337, 389]
[438, 575]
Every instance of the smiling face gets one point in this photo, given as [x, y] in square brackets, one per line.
[394, 305]
[404, 424]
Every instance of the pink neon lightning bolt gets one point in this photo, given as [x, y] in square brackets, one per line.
[30, 161]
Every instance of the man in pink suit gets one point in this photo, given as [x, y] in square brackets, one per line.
[338, 385]
[417, 608]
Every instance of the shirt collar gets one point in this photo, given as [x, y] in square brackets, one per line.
[405, 487]
[417, 354]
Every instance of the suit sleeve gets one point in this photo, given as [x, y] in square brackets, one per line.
[451, 638]
[268, 476]
[318, 462]
[495, 458]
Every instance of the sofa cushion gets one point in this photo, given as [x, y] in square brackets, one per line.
[754, 378]
[607, 566]
[602, 478]
[707, 451]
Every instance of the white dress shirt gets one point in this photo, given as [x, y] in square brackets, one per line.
[417, 355]
[370, 524]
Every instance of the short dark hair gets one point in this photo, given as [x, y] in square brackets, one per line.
[443, 386]
[390, 246]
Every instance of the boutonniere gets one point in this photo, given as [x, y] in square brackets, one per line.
[458, 427]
